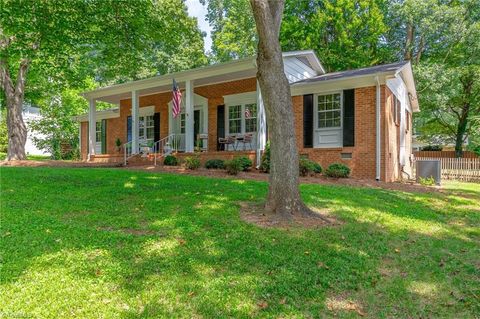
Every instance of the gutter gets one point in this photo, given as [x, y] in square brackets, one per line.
[377, 130]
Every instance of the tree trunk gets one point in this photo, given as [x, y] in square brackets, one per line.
[283, 194]
[467, 83]
[461, 129]
[409, 42]
[17, 131]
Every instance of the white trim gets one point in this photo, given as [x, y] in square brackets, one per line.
[303, 88]
[91, 128]
[146, 110]
[324, 132]
[240, 98]
[315, 115]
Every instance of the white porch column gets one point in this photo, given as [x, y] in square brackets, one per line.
[261, 126]
[189, 132]
[91, 128]
[135, 120]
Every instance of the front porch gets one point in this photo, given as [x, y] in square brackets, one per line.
[221, 120]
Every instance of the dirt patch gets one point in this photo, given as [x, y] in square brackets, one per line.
[256, 214]
[343, 302]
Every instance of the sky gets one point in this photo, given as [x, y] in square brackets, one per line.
[196, 9]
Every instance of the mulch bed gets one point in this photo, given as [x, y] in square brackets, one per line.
[255, 214]
[318, 179]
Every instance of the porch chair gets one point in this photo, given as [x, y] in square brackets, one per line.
[247, 139]
[225, 141]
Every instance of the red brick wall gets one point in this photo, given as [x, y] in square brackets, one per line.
[362, 163]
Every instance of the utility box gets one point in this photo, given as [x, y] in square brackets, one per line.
[429, 168]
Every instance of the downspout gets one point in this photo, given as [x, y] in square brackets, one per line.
[378, 131]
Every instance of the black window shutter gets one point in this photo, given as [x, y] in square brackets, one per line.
[129, 129]
[349, 117]
[220, 123]
[308, 121]
[156, 127]
[104, 136]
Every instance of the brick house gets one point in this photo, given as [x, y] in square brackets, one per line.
[362, 117]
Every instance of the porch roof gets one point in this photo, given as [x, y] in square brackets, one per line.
[207, 75]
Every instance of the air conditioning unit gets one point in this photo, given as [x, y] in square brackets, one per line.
[429, 168]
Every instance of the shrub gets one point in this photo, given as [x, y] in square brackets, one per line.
[245, 163]
[317, 169]
[215, 164]
[233, 166]
[192, 162]
[170, 160]
[305, 167]
[265, 162]
[426, 181]
[337, 170]
[308, 167]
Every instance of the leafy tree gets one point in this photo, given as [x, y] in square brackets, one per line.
[233, 29]
[345, 33]
[441, 39]
[81, 38]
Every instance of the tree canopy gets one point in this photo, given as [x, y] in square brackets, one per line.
[56, 45]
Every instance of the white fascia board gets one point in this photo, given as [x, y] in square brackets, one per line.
[99, 115]
[337, 84]
[240, 98]
[406, 74]
[207, 71]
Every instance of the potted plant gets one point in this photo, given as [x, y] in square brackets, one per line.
[118, 144]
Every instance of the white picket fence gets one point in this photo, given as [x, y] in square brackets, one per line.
[461, 169]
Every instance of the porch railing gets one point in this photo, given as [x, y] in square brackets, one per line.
[127, 152]
[165, 146]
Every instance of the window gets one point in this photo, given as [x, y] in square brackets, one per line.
[182, 123]
[396, 109]
[329, 111]
[146, 128]
[235, 119]
[250, 117]
[98, 132]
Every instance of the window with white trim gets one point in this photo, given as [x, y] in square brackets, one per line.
[182, 123]
[250, 117]
[98, 132]
[235, 119]
[146, 128]
[329, 111]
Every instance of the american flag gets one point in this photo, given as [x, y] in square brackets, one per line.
[247, 113]
[177, 100]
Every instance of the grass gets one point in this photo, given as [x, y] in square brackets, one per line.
[3, 156]
[115, 243]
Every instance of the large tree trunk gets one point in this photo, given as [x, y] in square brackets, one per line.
[17, 131]
[283, 194]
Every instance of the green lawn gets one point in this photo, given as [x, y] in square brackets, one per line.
[111, 243]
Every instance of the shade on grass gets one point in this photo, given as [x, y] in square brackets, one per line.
[122, 244]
